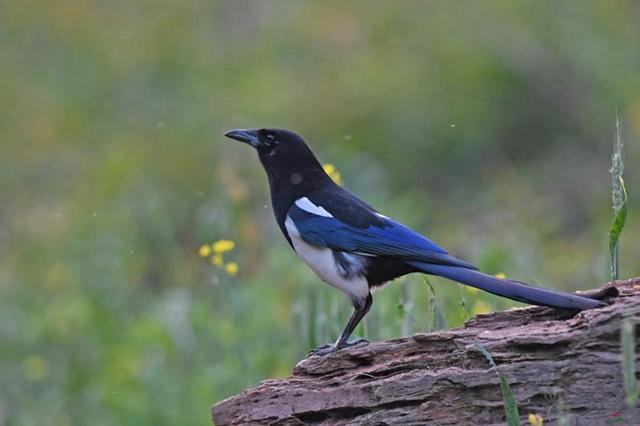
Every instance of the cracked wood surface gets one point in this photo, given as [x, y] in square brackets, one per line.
[555, 362]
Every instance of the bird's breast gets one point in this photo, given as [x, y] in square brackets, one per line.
[344, 271]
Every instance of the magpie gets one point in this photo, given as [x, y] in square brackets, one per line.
[353, 247]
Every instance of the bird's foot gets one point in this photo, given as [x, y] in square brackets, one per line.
[330, 348]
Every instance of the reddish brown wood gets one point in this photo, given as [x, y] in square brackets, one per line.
[556, 364]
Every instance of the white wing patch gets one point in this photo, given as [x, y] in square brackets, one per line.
[305, 204]
[359, 253]
[322, 261]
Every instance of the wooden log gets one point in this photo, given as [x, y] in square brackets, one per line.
[559, 365]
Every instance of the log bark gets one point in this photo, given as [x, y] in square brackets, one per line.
[559, 365]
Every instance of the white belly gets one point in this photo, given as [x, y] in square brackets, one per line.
[322, 261]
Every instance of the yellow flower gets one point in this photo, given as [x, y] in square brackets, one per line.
[223, 246]
[34, 367]
[481, 307]
[216, 260]
[334, 174]
[329, 168]
[231, 268]
[501, 275]
[204, 250]
[535, 419]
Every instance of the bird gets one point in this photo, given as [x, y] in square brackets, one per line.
[353, 247]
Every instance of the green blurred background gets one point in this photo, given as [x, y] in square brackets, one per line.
[486, 125]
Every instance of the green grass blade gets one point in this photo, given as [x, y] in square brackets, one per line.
[619, 201]
[616, 230]
[565, 420]
[438, 320]
[312, 316]
[510, 406]
[463, 303]
[628, 345]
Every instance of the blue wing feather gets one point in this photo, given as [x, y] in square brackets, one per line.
[391, 239]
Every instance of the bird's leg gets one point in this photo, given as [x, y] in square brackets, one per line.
[343, 341]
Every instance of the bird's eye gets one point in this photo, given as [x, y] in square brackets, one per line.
[271, 137]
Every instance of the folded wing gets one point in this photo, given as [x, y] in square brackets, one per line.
[386, 238]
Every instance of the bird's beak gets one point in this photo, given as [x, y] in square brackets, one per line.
[249, 137]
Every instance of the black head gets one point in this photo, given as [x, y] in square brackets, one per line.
[273, 142]
[284, 155]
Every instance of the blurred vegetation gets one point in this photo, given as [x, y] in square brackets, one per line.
[486, 125]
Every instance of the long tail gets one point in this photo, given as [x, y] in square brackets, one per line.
[511, 289]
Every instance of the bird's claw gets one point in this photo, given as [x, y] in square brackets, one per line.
[330, 348]
[322, 350]
[355, 342]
